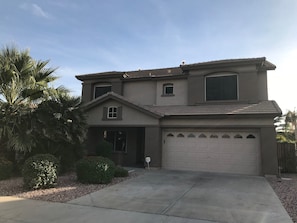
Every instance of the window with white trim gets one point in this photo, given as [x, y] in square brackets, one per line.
[112, 112]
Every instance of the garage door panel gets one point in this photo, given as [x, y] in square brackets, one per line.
[232, 152]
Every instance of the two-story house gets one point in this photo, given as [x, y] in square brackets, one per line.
[213, 116]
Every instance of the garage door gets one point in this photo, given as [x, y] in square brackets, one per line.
[225, 151]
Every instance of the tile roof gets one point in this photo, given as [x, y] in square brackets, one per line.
[177, 71]
[121, 99]
[229, 62]
[262, 108]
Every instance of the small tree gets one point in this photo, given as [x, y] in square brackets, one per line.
[286, 127]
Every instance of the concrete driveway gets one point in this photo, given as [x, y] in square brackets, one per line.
[193, 197]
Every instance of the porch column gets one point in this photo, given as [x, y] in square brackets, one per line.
[269, 151]
[152, 147]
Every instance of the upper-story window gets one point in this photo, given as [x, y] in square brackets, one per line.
[101, 89]
[221, 87]
[112, 112]
[167, 89]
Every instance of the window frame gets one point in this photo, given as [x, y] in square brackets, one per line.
[98, 86]
[221, 75]
[165, 87]
[112, 112]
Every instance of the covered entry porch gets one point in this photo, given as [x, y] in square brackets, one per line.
[130, 144]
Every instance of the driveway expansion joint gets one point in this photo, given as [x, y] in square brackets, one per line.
[176, 200]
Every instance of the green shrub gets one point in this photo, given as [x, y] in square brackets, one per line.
[96, 169]
[104, 149]
[120, 172]
[40, 171]
[6, 168]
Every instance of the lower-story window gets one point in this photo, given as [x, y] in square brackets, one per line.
[118, 140]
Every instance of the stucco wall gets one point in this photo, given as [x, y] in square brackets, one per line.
[153, 138]
[262, 85]
[130, 117]
[180, 93]
[142, 92]
[249, 83]
[228, 122]
[269, 151]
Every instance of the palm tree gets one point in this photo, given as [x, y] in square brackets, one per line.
[23, 79]
[24, 83]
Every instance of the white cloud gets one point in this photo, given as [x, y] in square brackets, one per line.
[35, 10]
[38, 11]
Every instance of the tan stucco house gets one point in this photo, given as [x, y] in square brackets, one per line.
[212, 116]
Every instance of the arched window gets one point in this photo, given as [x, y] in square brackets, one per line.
[251, 136]
[214, 136]
[101, 89]
[170, 135]
[238, 136]
[202, 135]
[225, 136]
[221, 87]
[180, 135]
[191, 135]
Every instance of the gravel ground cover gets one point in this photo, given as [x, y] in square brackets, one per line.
[67, 188]
[286, 190]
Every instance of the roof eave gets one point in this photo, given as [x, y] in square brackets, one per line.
[112, 74]
[261, 61]
[111, 95]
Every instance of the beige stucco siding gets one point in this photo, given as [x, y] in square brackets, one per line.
[216, 123]
[249, 88]
[180, 93]
[142, 92]
[130, 116]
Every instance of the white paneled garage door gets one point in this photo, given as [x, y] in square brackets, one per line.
[225, 151]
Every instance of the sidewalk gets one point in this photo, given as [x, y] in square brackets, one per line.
[17, 210]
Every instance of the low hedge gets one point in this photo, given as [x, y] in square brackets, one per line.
[121, 172]
[104, 149]
[40, 171]
[6, 168]
[95, 170]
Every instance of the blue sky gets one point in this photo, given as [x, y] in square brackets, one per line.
[93, 36]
